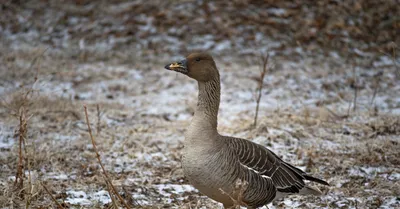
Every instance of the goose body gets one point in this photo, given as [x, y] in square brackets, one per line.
[214, 164]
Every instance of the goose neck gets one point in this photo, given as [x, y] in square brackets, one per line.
[208, 103]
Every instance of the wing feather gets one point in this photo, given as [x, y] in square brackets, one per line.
[263, 162]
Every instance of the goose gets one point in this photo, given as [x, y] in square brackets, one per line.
[216, 164]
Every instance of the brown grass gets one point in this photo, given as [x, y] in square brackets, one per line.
[237, 194]
[52, 197]
[111, 189]
[23, 186]
[362, 140]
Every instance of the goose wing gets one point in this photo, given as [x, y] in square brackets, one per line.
[260, 160]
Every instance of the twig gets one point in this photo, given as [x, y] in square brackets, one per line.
[355, 89]
[98, 128]
[129, 197]
[376, 88]
[23, 122]
[397, 68]
[264, 63]
[19, 181]
[106, 177]
[240, 188]
[348, 108]
[28, 165]
[376, 85]
[35, 78]
[393, 56]
[113, 200]
[52, 197]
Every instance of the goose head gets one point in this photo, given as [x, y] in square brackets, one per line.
[199, 66]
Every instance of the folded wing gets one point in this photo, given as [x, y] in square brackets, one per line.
[263, 162]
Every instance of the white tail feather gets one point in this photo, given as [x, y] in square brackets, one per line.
[307, 190]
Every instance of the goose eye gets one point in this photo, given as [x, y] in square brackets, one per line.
[197, 59]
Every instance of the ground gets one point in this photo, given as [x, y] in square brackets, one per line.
[330, 110]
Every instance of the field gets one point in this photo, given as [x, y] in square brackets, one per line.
[330, 103]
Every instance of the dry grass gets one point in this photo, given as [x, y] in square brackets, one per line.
[111, 189]
[59, 206]
[263, 70]
[237, 195]
[25, 188]
[128, 136]
[140, 123]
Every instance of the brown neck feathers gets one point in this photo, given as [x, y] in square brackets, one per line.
[208, 100]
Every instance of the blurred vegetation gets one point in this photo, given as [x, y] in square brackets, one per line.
[348, 27]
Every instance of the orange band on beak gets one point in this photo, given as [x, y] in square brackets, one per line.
[174, 65]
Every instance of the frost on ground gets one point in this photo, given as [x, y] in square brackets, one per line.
[306, 116]
[334, 118]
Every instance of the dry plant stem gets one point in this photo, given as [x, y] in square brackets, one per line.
[98, 119]
[113, 200]
[22, 132]
[395, 63]
[35, 79]
[264, 64]
[28, 199]
[240, 188]
[374, 94]
[52, 197]
[19, 181]
[376, 85]
[129, 197]
[397, 68]
[348, 108]
[107, 179]
[235, 203]
[355, 90]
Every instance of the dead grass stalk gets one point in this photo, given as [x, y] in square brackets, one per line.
[98, 126]
[52, 197]
[111, 189]
[240, 188]
[25, 191]
[19, 176]
[263, 71]
[355, 89]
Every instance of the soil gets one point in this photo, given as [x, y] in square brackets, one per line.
[330, 102]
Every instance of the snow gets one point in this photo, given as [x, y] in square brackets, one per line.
[76, 197]
[7, 137]
[390, 202]
[173, 188]
[221, 46]
[277, 11]
[156, 92]
[386, 61]
[156, 106]
[5, 142]
[57, 176]
[371, 172]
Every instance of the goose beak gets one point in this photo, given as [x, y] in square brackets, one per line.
[178, 67]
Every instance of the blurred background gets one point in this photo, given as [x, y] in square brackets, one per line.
[366, 28]
[329, 97]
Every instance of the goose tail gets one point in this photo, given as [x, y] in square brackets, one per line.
[307, 190]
